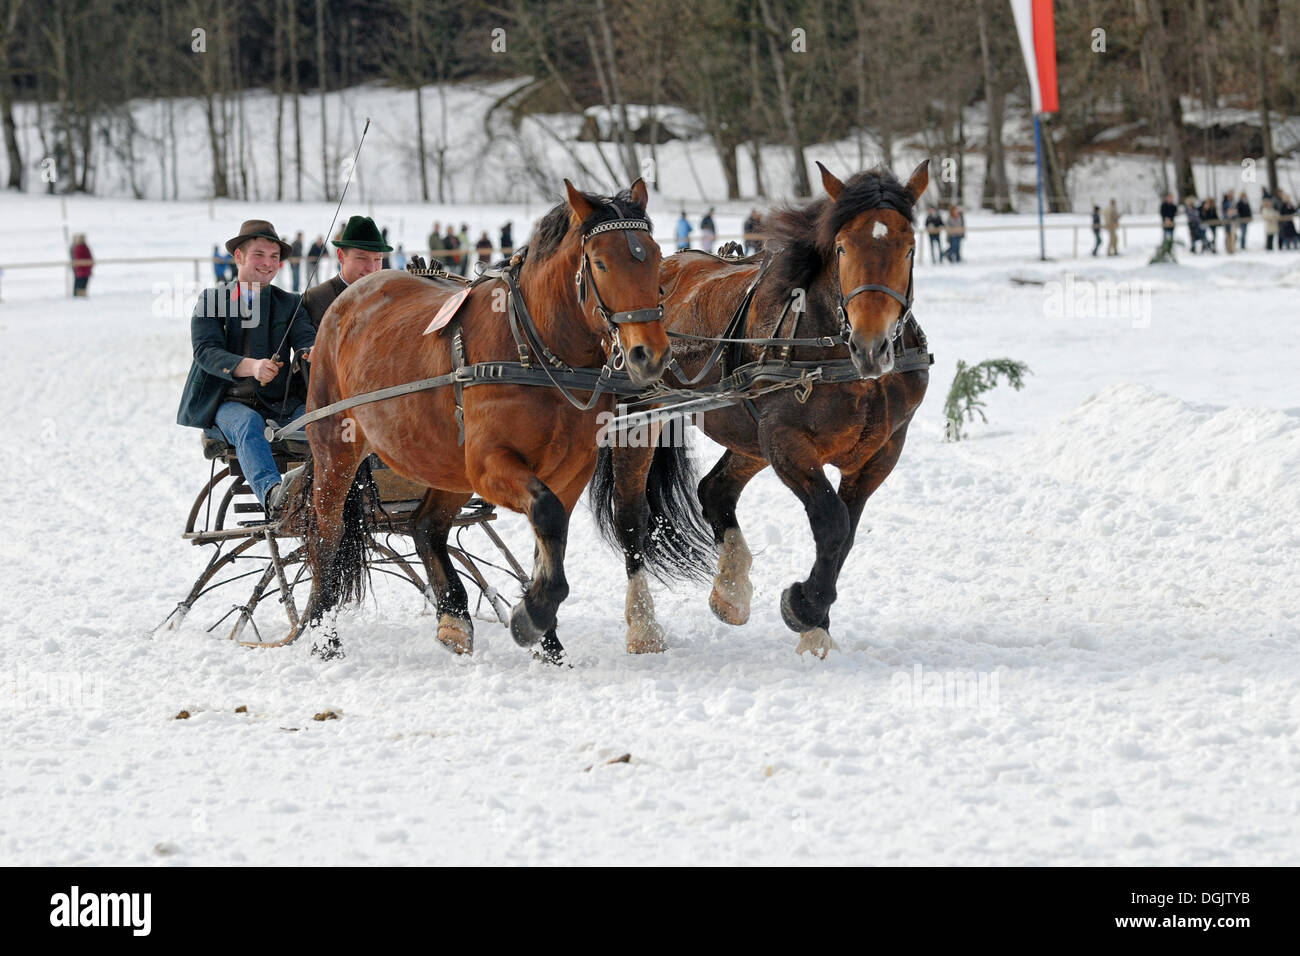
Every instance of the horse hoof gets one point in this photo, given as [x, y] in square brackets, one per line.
[552, 651]
[646, 639]
[456, 634]
[522, 628]
[817, 640]
[725, 611]
[797, 612]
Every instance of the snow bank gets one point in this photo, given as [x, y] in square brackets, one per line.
[1132, 437]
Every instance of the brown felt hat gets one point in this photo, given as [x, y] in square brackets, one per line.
[258, 229]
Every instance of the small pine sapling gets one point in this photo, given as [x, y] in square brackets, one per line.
[970, 382]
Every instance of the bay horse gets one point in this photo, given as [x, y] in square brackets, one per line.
[849, 258]
[526, 448]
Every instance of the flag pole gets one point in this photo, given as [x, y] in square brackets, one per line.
[1038, 162]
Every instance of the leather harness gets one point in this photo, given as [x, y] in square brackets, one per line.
[538, 366]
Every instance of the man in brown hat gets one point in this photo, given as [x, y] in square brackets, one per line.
[360, 248]
[239, 379]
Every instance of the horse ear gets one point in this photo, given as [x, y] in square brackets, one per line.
[579, 208]
[639, 193]
[832, 185]
[919, 180]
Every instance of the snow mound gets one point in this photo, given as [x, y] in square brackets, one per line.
[1133, 438]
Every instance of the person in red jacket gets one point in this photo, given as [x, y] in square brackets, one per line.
[83, 263]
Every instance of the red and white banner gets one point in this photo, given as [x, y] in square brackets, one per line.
[1038, 44]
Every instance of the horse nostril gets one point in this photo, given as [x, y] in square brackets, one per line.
[638, 355]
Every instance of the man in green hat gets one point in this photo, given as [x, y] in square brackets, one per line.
[239, 379]
[360, 249]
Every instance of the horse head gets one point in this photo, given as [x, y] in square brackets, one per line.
[617, 279]
[868, 229]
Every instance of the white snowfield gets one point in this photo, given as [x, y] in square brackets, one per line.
[1069, 639]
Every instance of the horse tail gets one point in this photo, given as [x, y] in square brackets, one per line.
[340, 578]
[678, 544]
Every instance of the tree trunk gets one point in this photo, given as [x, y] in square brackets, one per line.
[630, 163]
[12, 152]
[291, 24]
[1256, 14]
[327, 181]
[419, 99]
[995, 180]
[801, 184]
[279, 103]
[1154, 47]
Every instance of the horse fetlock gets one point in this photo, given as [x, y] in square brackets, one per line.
[732, 590]
[819, 641]
[456, 634]
[524, 627]
[644, 634]
[799, 613]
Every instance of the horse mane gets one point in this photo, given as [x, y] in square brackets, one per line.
[806, 234]
[554, 226]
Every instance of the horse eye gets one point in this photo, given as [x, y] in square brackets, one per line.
[839, 250]
[601, 266]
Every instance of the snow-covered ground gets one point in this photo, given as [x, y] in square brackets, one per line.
[1069, 639]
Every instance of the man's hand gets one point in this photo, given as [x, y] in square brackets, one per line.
[264, 370]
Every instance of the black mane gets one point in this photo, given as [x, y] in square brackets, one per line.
[806, 234]
[554, 226]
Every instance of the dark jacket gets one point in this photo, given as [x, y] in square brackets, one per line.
[319, 298]
[1168, 211]
[216, 332]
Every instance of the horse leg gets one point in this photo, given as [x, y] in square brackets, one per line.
[503, 477]
[432, 524]
[805, 605]
[334, 467]
[631, 519]
[719, 491]
[856, 488]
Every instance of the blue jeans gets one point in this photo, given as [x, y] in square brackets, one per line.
[244, 428]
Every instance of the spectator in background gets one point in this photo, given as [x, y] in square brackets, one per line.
[751, 233]
[1229, 223]
[1111, 222]
[1210, 220]
[1268, 213]
[295, 260]
[436, 245]
[387, 263]
[218, 264]
[452, 245]
[1243, 217]
[463, 240]
[314, 256]
[956, 233]
[399, 257]
[683, 232]
[1167, 213]
[1286, 235]
[484, 249]
[507, 241]
[83, 264]
[1195, 234]
[934, 229]
[708, 231]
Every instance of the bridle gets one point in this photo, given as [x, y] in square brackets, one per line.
[842, 310]
[584, 279]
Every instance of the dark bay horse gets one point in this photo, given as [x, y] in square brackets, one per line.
[849, 259]
[526, 448]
